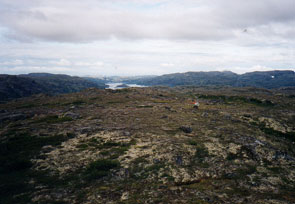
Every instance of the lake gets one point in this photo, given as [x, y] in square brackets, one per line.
[115, 85]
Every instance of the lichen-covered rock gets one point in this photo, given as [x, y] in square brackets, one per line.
[272, 123]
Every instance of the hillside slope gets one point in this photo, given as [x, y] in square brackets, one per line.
[15, 87]
[12, 86]
[270, 79]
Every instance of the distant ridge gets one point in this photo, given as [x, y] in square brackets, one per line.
[267, 79]
[16, 86]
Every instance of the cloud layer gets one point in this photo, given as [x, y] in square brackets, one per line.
[136, 37]
[91, 20]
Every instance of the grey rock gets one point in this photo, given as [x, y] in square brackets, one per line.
[205, 114]
[72, 107]
[247, 115]
[71, 115]
[126, 133]
[186, 129]
[179, 160]
[282, 155]
[85, 130]
[230, 175]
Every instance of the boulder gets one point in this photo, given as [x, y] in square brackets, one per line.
[71, 115]
[85, 130]
[186, 129]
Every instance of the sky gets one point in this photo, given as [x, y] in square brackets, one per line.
[146, 37]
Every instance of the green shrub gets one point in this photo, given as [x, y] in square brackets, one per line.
[244, 171]
[53, 119]
[155, 167]
[100, 168]
[231, 156]
[103, 165]
[111, 144]
[192, 142]
[201, 152]
[78, 102]
[82, 146]
[228, 99]
[288, 135]
[15, 159]
[30, 105]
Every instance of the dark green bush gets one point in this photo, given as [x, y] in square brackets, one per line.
[100, 168]
[201, 152]
[15, 159]
[78, 102]
[192, 142]
[288, 135]
[53, 119]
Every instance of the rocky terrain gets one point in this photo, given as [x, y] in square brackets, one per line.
[149, 145]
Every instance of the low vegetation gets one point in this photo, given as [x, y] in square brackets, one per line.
[149, 145]
[100, 168]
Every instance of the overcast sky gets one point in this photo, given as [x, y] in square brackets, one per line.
[146, 37]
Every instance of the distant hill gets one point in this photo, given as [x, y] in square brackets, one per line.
[269, 79]
[12, 86]
[98, 81]
[16, 86]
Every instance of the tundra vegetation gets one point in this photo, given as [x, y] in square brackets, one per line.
[149, 145]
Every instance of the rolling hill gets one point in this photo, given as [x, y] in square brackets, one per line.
[268, 79]
[16, 86]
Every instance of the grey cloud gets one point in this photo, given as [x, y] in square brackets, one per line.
[76, 21]
[254, 13]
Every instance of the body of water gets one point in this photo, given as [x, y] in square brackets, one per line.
[117, 85]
